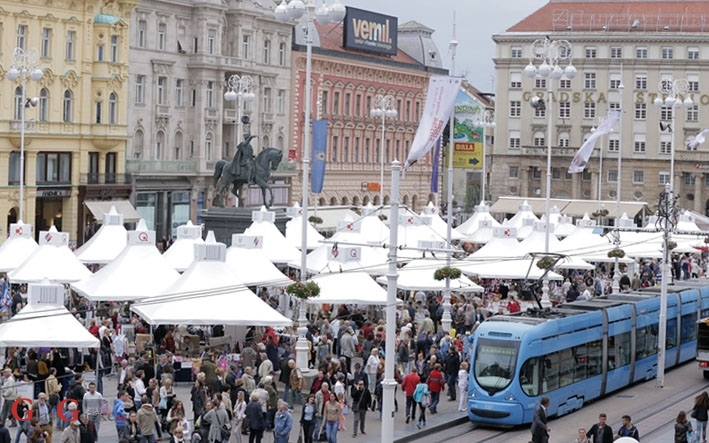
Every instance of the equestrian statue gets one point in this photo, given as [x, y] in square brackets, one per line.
[245, 169]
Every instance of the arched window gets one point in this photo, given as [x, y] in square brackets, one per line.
[266, 142]
[333, 201]
[539, 140]
[112, 109]
[68, 107]
[365, 200]
[345, 201]
[564, 139]
[386, 199]
[208, 147]
[279, 142]
[355, 201]
[178, 145]
[43, 105]
[138, 144]
[159, 145]
[321, 202]
[18, 103]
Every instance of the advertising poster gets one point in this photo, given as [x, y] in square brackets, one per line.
[467, 139]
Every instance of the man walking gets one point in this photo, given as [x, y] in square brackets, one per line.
[540, 430]
[361, 398]
[408, 385]
[600, 432]
[91, 405]
[9, 393]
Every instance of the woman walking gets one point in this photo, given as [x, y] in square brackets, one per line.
[682, 428]
[699, 413]
[422, 396]
[463, 387]
[333, 415]
[307, 419]
[239, 414]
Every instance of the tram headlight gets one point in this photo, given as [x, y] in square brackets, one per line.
[510, 397]
[473, 393]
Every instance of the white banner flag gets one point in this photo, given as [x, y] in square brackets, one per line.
[578, 163]
[440, 103]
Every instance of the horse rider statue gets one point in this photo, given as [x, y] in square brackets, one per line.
[245, 158]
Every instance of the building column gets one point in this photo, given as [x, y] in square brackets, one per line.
[698, 198]
[575, 186]
[524, 181]
[594, 185]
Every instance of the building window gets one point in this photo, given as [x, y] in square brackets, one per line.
[46, 42]
[639, 143]
[114, 48]
[43, 105]
[516, 52]
[181, 40]
[556, 173]
[515, 108]
[612, 175]
[590, 52]
[640, 111]
[336, 103]
[110, 167]
[693, 82]
[245, 40]
[346, 150]
[98, 106]
[14, 170]
[513, 172]
[112, 109]
[162, 31]
[638, 177]
[19, 106]
[323, 102]
[589, 80]
[281, 105]
[179, 92]
[142, 30]
[210, 94]
[540, 112]
[515, 140]
[162, 84]
[99, 52]
[564, 109]
[21, 36]
[516, 80]
[70, 37]
[564, 140]
[693, 53]
[641, 52]
[267, 100]
[208, 147]
[139, 89]
[688, 178]
[613, 143]
[138, 144]
[267, 52]
[540, 83]
[693, 113]
[333, 152]
[667, 53]
[616, 52]
[358, 107]
[565, 83]
[615, 80]
[178, 146]
[211, 42]
[348, 98]
[538, 139]
[664, 178]
[54, 167]
[586, 175]
[193, 98]
[589, 110]
[68, 107]
[665, 143]
[666, 113]
[281, 54]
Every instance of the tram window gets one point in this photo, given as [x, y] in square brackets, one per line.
[688, 331]
[646, 341]
[671, 337]
[551, 371]
[705, 313]
[582, 362]
[529, 377]
[618, 350]
[595, 358]
[566, 367]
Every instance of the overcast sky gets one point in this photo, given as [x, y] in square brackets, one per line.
[476, 20]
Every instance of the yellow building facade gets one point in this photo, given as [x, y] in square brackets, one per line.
[74, 116]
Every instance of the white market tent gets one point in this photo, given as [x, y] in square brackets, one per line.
[45, 322]
[275, 245]
[483, 234]
[504, 244]
[138, 272]
[518, 220]
[250, 265]
[564, 226]
[471, 225]
[52, 260]
[348, 287]
[181, 254]
[418, 276]
[414, 229]
[584, 240]
[294, 230]
[515, 269]
[209, 293]
[107, 242]
[18, 246]
[438, 225]
[372, 229]
[536, 242]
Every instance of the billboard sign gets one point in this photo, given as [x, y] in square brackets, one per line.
[369, 31]
[467, 138]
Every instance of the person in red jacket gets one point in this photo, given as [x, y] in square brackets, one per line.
[436, 383]
[408, 385]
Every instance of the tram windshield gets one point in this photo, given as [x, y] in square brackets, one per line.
[495, 363]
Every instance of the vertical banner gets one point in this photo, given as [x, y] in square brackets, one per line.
[319, 152]
[440, 101]
[467, 138]
[436, 167]
[583, 155]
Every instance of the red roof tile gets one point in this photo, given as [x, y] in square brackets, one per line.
[617, 16]
[331, 40]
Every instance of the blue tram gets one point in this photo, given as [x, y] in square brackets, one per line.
[577, 352]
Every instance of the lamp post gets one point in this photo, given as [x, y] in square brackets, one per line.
[618, 215]
[485, 120]
[596, 123]
[383, 106]
[672, 96]
[239, 90]
[25, 64]
[305, 13]
[549, 53]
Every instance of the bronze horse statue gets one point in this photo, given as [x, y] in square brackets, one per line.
[225, 175]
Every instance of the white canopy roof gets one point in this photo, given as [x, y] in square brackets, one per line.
[348, 287]
[484, 233]
[584, 240]
[524, 212]
[138, 272]
[439, 225]
[504, 244]
[275, 245]
[418, 275]
[18, 246]
[107, 242]
[252, 267]
[564, 226]
[536, 242]
[515, 269]
[294, 230]
[209, 293]
[45, 326]
[471, 225]
[372, 229]
[52, 260]
[181, 254]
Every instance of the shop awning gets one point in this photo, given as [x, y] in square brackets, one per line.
[510, 205]
[572, 208]
[124, 207]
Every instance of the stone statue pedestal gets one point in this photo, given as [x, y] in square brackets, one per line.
[227, 221]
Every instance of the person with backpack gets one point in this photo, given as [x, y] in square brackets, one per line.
[422, 397]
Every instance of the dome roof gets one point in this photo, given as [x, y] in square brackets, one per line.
[106, 19]
[416, 40]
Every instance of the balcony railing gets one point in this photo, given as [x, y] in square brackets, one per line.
[16, 125]
[95, 178]
[162, 166]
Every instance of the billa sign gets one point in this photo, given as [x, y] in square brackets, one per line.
[369, 31]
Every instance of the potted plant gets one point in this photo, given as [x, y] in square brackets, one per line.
[315, 219]
[302, 290]
[446, 272]
[545, 262]
[671, 245]
[616, 253]
[601, 213]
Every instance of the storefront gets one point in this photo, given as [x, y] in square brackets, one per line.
[96, 199]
